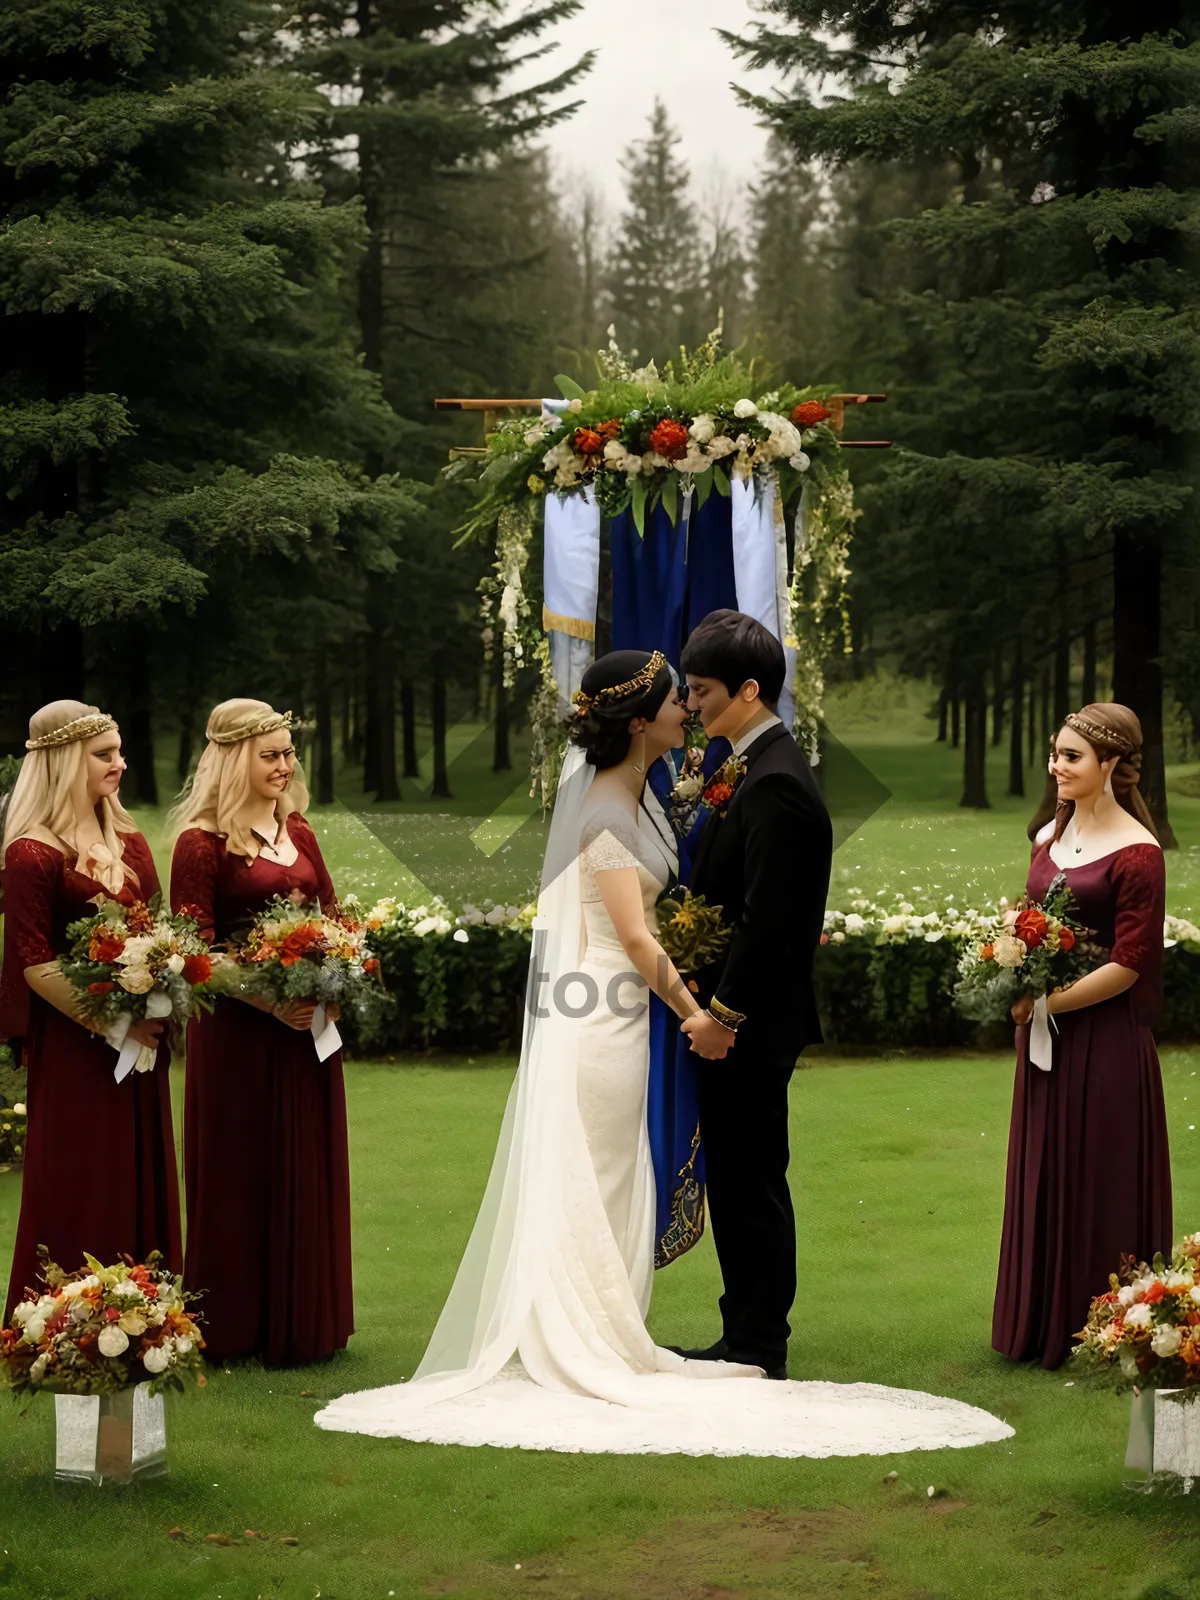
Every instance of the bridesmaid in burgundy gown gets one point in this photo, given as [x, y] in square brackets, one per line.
[266, 1165]
[1089, 1174]
[100, 1170]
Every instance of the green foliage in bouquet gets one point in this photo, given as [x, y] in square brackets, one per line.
[298, 952]
[1024, 954]
[101, 1330]
[691, 931]
[122, 955]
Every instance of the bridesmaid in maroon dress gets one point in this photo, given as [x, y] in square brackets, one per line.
[266, 1165]
[100, 1155]
[1089, 1172]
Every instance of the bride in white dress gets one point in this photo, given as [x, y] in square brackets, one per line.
[542, 1342]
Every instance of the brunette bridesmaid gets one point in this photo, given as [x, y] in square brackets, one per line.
[100, 1155]
[266, 1167]
[1089, 1171]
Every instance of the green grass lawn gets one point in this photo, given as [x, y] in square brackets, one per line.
[921, 841]
[898, 1174]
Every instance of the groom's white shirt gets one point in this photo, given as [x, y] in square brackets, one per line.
[745, 740]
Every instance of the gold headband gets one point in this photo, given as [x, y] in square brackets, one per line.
[620, 691]
[252, 729]
[88, 727]
[1107, 737]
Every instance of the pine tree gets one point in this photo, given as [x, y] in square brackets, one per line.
[1059, 347]
[655, 273]
[418, 91]
[174, 376]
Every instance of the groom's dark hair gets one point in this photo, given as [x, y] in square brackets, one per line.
[733, 648]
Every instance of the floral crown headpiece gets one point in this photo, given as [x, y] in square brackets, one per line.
[1109, 738]
[252, 727]
[638, 684]
[81, 728]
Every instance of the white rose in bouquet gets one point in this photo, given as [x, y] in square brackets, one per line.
[721, 446]
[744, 409]
[1138, 1316]
[158, 1358]
[136, 980]
[1008, 950]
[175, 963]
[34, 1328]
[1195, 1294]
[133, 1323]
[703, 429]
[1126, 1294]
[183, 1344]
[126, 1288]
[799, 461]
[1166, 1342]
[114, 1341]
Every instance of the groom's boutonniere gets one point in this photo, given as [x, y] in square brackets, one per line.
[718, 791]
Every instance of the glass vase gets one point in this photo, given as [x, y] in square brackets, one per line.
[110, 1438]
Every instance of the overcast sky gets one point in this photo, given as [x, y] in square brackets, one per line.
[666, 48]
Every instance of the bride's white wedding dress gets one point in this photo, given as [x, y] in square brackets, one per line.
[542, 1342]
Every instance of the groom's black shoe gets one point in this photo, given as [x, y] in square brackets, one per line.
[721, 1352]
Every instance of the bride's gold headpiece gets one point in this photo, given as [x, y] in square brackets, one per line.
[80, 728]
[252, 727]
[1097, 733]
[638, 684]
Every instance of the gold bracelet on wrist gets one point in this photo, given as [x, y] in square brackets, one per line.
[725, 1015]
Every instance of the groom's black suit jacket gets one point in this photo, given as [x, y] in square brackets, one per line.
[767, 863]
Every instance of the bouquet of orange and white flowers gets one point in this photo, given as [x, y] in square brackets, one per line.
[101, 1330]
[1024, 953]
[1145, 1331]
[129, 963]
[295, 951]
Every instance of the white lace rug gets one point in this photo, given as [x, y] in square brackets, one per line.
[736, 1417]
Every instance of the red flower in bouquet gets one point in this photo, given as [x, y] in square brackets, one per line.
[610, 429]
[808, 413]
[299, 942]
[101, 988]
[987, 952]
[670, 439]
[197, 969]
[105, 946]
[1030, 927]
[1066, 938]
[587, 441]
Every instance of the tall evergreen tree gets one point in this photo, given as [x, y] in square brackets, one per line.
[419, 97]
[173, 376]
[655, 274]
[1060, 345]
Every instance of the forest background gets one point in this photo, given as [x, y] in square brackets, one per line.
[244, 246]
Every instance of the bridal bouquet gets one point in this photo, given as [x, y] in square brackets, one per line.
[1146, 1330]
[298, 952]
[102, 1330]
[691, 931]
[129, 963]
[1024, 954]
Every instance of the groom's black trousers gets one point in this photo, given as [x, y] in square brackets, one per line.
[744, 1126]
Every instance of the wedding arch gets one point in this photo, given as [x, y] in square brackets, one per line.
[715, 493]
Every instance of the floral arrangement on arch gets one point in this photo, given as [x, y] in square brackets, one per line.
[640, 439]
[102, 1329]
[1145, 1331]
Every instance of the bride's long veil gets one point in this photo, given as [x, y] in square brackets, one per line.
[508, 1257]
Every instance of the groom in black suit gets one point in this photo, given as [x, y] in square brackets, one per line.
[764, 856]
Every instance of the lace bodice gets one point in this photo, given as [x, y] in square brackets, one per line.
[610, 837]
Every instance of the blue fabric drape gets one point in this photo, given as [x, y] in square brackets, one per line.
[666, 583]
[662, 586]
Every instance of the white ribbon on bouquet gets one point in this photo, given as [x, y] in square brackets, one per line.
[1041, 1045]
[325, 1033]
[132, 1056]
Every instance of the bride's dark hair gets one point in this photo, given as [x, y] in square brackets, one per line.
[618, 687]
